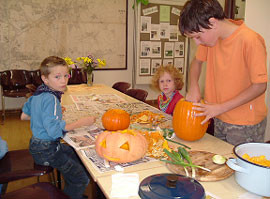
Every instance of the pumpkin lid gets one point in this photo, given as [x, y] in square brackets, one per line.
[170, 186]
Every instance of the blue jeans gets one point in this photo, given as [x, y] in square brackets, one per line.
[63, 158]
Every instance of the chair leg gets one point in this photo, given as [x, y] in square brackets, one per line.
[59, 179]
[4, 189]
[53, 179]
[3, 106]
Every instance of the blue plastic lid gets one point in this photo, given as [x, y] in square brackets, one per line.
[168, 186]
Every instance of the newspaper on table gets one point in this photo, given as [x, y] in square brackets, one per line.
[101, 165]
[83, 137]
[72, 114]
[95, 100]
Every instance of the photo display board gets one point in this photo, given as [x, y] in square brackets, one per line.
[159, 41]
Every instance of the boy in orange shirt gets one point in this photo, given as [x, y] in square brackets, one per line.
[236, 74]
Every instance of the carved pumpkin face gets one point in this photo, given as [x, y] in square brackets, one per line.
[186, 126]
[115, 119]
[121, 146]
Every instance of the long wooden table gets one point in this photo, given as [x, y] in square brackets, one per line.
[226, 189]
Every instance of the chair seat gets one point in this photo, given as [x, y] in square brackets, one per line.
[77, 76]
[121, 86]
[138, 94]
[41, 190]
[19, 164]
[16, 93]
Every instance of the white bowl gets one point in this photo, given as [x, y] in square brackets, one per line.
[253, 177]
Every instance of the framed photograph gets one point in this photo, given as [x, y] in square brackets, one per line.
[156, 49]
[156, 63]
[145, 49]
[155, 32]
[179, 49]
[167, 62]
[164, 30]
[168, 49]
[144, 67]
[173, 33]
[145, 24]
[180, 64]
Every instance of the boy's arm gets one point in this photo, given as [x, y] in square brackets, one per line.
[85, 121]
[212, 110]
[194, 93]
[25, 116]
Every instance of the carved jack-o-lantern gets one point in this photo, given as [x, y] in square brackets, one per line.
[121, 146]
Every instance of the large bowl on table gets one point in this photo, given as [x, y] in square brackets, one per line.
[252, 177]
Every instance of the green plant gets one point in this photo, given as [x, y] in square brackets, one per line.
[178, 158]
[144, 2]
[87, 64]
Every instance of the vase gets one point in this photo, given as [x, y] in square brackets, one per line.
[90, 79]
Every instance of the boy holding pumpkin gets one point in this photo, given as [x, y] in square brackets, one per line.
[44, 111]
[169, 81]
[236, 74]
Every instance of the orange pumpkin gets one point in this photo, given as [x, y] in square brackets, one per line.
[121, 146]
[186, 126]
[115, 119]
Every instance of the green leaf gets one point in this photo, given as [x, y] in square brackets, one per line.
[184, 153]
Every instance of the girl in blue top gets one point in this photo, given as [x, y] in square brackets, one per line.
[45, 113]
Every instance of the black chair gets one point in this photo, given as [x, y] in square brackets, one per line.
[13, 84]
[41, 190]
[36, 78]
[19, 164]
[138, 94]
[77, 76]
[121, 86]
[36, 82]
[153, 103]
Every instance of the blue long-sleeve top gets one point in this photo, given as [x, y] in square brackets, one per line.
[46, 116]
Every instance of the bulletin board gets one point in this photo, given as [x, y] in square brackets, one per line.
[159, 41]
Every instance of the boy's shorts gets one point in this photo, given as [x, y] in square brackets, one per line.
[236, 134]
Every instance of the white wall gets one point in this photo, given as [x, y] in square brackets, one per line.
[257, 17]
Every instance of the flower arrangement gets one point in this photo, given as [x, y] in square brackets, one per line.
[87, 64]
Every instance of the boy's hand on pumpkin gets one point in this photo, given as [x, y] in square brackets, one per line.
[207, 110]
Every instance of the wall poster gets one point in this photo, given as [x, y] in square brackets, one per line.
[159, 41]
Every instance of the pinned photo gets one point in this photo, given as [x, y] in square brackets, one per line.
[144, 67]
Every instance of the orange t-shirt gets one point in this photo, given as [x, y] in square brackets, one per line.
[233, 64]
